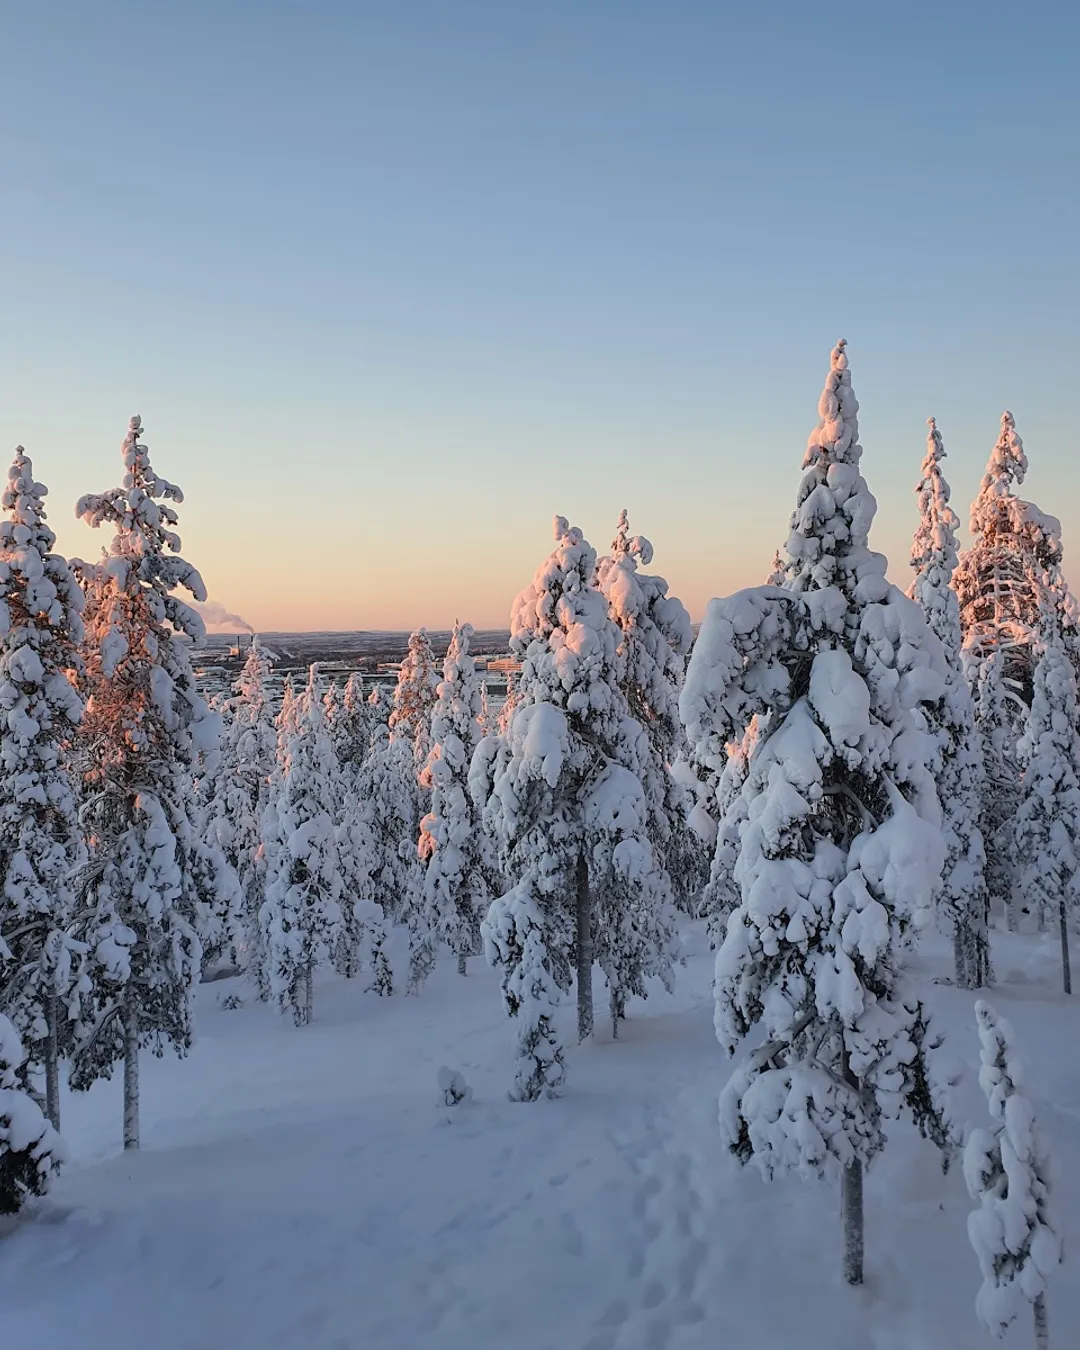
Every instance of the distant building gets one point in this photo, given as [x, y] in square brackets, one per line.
[503, 665]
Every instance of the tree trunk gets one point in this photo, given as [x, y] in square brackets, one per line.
[1042, 1334]
[1066, 969]
[851, 1201]
[979, 960]
[131, 1072]
[971, 956]
[960, 945]
[461, 959]
[309, 994]
[584, 951]
[617, 1005]
[52, 1063]
[348, 963]
[1012, 911]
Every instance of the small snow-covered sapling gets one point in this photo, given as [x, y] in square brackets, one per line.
[452, 1087]
[1005, 1168]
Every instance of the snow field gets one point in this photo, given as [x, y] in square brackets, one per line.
[298, 1188]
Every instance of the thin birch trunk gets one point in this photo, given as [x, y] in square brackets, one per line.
[584, 951]
[131, 1072]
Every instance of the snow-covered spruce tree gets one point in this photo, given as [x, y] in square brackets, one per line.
[285, 717]
[506, 709]
[655, 642]
[332, 710]
[378, 715]
[1000, 717]
[1004, 583]
[393, 785]
[1006, 1172]
[962, 901]
[141, 895]
[385, 788]
[721, 895]
[777, 572]
[268, 859]
[248, 763]
[215, 886]
[40, 838]
[562, 794]
[414, 698]
[1012, 571]
[488, 720]
[361, 942]
[362, 935]
[350, 727]
[1046, 830]
[720, 770]
[301, 916]
[458, 877]
[352, 718]
[30, 1149]
[841, 851]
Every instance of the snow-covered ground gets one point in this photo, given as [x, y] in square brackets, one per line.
[302, 1188]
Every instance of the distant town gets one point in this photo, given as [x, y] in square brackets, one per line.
[377, 655]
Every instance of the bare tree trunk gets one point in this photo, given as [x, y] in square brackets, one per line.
[584, 951]
[52, 1063]
[981, 970]
[309, 994]
[851, 1202]
[1042, 1334]
[131, 1072]
[461, 960]
[960, 945]
[1066, 968]
[971, 955]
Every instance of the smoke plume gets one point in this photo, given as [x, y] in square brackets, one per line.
[217, 616]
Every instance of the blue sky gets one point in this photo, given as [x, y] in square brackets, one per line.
[392, 284]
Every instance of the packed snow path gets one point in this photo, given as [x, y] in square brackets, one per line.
[302, 1188]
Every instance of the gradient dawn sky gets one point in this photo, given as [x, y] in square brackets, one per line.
[391, 284]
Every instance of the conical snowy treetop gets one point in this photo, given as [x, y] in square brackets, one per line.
[145, 537]
[414, 694]
[51, 593]
[561, 633]
[625, 543]
[1005, 470]
[778, 572]
[1015, 558]
[934, 551]
[251, 685]
[830, 527]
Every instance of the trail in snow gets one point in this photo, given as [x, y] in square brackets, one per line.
[301, 1188]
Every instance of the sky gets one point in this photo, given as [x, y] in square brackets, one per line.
[393, 284]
